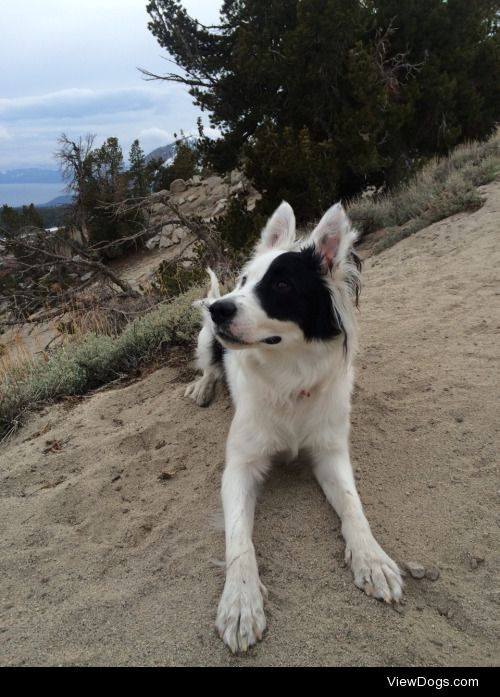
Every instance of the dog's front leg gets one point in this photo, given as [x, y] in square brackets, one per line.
[373, 570]
[240, 616]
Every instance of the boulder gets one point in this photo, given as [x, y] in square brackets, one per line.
[178, 186]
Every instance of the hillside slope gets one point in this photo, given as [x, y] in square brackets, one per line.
[107, 504]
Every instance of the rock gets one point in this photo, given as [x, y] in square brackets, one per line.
[476, 558]
[415, 569]
[178, 186]
[220, 191]
[165, 242]
[165, 476]
[445, 610]
[153, 242]
[212, 181]
[195, 180]
[168, 230]
[251, 203]
[236, 177]
[237, 188]
[219, 207]
[201, 199]
[436, 642]
[179, 234]
[432, 573]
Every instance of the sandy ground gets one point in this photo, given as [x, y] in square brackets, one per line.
[108, 504]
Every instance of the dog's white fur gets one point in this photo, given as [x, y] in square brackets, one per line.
[290, 397]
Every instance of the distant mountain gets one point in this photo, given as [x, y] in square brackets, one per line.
[63, 200]
[31, 175]
[37, 184]
[167, 152]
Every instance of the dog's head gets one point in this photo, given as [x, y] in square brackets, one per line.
[292, 290]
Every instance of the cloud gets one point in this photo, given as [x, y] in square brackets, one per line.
[152, 138]
[76, 73]
[151, 114]
[79, 103]
[4, 133]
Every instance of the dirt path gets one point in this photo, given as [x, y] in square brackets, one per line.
[108, 537]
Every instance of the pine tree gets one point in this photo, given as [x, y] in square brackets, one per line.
[184, 165]
[30, 217]
[319, 98]
[138, 175]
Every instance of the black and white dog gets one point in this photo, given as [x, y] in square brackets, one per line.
[286, 336]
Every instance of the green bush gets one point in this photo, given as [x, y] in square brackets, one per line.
[240, 228]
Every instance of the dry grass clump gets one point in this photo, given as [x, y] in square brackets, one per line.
[95, 359]
[443, 187]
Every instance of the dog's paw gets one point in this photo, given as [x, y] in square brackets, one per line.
[240, 618]
[375, 572]
[201, 391]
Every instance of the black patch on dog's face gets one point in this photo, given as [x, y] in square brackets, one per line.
[293, 289]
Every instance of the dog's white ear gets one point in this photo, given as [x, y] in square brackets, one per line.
[333, 236]
[279, 232]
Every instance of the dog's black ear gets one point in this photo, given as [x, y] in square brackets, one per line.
[333, 236]
[279, 232]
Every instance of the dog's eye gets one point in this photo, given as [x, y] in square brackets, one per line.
[282, 285]
[243, 281]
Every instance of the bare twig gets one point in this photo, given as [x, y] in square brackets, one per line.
[395, 70]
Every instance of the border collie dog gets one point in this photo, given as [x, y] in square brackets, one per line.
[285, 338]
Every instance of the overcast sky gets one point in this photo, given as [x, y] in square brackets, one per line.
[71, 66]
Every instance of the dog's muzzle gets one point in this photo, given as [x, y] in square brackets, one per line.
[222, 312]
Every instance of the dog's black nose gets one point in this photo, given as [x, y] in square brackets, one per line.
[223, 311]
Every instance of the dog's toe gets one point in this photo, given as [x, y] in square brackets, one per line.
[240, 619]
[201, 391]
[377, 574]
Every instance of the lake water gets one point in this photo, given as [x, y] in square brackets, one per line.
[24, 194]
